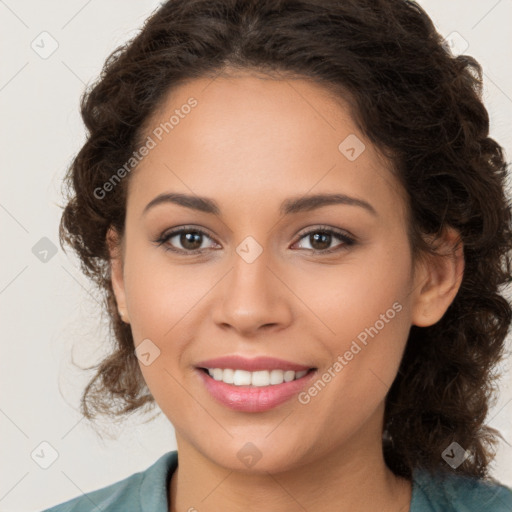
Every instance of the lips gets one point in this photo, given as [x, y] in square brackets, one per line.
[253, 385]
[252, 365]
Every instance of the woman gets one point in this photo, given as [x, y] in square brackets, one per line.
[300, 224]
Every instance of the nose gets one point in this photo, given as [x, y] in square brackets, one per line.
[253, 298]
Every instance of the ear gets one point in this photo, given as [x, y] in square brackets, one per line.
[437, 279]
[116, 272]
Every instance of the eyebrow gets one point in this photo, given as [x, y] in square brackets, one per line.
[290, 206]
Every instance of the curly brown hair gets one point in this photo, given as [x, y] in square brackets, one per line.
[414, 100]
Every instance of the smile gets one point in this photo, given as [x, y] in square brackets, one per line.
[258, 378]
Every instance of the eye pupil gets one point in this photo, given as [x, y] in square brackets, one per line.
[317, 237]
[187, 240]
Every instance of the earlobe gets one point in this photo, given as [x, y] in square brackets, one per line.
[116, 272]
[438, 279]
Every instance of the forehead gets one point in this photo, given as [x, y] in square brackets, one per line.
[257, 139]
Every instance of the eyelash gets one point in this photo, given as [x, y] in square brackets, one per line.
[347, 240]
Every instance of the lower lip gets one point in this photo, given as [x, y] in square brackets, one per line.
[253, 398]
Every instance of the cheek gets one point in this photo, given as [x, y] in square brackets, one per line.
[361, 293]
[368, 315]
[166, 303]
[160, 298]
[159, 293]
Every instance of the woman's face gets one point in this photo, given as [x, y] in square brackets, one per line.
[258, 149]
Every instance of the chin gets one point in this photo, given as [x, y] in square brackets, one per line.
[255, 456]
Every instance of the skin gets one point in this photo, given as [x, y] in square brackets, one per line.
[250, 143]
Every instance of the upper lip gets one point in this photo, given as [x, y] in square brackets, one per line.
[237, 362]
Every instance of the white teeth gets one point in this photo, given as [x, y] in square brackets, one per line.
[289, 375]
[241, 378]
[276, 377]
[217, 374]
[227, 375]
[258, 378]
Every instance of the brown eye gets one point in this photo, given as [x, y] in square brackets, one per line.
[187, 240]
[190, 240]
[320, 240]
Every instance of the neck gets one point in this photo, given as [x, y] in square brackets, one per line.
[353, 478]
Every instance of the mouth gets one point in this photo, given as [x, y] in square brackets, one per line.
[253, 385]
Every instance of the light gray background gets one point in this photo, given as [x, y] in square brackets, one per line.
[48, 310]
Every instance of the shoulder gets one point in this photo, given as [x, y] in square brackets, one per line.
[145, 490]
[449, 492]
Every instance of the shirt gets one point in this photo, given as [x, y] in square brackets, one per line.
[146, 491]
